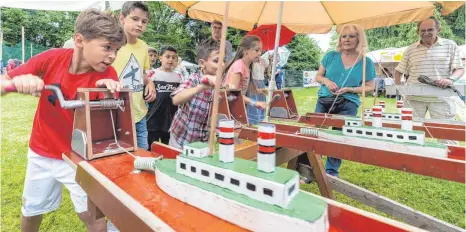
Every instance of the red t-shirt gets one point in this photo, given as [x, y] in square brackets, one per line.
[53, 125]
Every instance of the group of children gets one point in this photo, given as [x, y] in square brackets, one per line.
[108, 53]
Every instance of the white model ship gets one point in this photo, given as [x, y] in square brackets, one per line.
[403, 140]
[253, 195]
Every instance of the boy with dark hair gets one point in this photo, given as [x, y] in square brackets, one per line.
[162, 110]
[132, 63]
[193, 97]
[152, 57]
[98, 36]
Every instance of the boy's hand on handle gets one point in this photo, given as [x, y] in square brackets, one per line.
[26, 84]
[208, 81]
[112, 85]
[150, 92]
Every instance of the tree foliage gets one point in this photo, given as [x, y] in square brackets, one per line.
[305, 53]
[453, 27]
[46, 28]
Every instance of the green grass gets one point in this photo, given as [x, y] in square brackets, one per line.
[439, 198]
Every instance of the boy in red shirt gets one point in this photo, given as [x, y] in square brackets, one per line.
[98, 36]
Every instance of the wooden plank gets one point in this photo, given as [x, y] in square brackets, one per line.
[320, 175]
[284, 155]
[141, 187]
[166, 151]
[182, 217]
[94, 211]
[443, 168]
[126, 213]
[388, 206]
[431, 129]
[246, 151]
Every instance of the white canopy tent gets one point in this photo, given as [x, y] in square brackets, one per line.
[60, 5]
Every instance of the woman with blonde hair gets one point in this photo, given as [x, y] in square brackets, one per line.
[340, 75]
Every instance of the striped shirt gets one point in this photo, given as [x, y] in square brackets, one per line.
[437, 62]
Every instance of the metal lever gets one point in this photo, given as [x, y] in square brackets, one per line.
[427, 80]
[76, 104]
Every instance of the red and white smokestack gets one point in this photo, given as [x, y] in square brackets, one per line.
[377, 116]
[407, 119]
[266, 148]
[399, 105]
[382, 103]
[226, 142]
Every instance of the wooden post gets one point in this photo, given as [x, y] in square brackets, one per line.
[274, 62]
[218, 81]
[363, 85]
[31, 51]
[22, 39]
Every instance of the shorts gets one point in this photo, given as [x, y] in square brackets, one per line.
[43, 186]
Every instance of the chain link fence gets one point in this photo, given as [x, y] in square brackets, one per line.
[14, 52]
[293, 78]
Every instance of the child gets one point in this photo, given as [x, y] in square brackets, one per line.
[152, 56]
[256, 115]
[152, 61]
[98, 36]
[162, 110]
[132, 62]
[238, 74]
[190, 123]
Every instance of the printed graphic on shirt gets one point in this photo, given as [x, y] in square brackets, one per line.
[131, 76]
[162, 110]
[166, 87]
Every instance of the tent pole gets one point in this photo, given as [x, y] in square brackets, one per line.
[363, 85]
[274, 63]
[218, 81]
[22, 39]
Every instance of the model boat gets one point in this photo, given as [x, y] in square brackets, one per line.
[253, 195]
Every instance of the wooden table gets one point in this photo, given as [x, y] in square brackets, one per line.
[133, 202]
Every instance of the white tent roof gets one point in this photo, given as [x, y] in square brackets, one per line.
[60, 5]
[385, 55]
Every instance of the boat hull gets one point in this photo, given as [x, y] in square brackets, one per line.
[235, 212]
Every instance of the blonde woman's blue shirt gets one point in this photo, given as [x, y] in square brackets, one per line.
[336, 72]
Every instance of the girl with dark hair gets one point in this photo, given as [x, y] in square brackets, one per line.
[238, 75]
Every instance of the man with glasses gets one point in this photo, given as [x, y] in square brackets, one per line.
[437, 58]
[216, 30]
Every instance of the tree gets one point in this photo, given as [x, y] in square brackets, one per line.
[46, 28]
[453, 27]
[305, 54]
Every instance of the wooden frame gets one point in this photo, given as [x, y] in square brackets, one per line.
[231, 106]
[133, 202]
[282, 105]
[443, 168]
[96, 125]
[431, 129]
